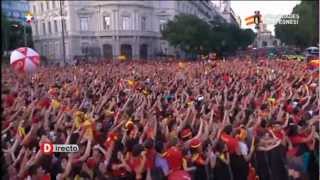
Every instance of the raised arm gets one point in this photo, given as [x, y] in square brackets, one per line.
[87, 151]
[107, 154]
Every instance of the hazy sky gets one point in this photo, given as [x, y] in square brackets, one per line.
[273, 8]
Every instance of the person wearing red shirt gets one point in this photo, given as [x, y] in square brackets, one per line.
[137, 161]
[230, 141]
[174, 157]
[150, 154]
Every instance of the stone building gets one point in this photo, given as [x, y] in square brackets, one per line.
[109, 28]
[265, 38]
[15, 10]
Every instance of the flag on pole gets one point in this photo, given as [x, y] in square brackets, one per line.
[250, 20]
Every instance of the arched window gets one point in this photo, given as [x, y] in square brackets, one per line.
[143, 51]
[264, 43]
[107, 51]
[275, 43]
[126, 50]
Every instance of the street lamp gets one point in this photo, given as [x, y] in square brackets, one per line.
[62, 30]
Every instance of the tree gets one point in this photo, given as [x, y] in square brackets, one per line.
[227, 38]
[187, 32]
[305, 33]
[193, 35]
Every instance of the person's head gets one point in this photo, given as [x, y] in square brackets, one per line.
[293, 130]
[137, 150]
[228, 129]
[149, 144]
[159, 146]
[276, 126]
[221, 147]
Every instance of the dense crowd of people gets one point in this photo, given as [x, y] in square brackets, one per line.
[220, 120]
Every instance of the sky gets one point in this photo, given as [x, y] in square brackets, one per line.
[270, 9]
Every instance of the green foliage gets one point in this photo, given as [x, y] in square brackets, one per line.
[305, 33]
[194, 35]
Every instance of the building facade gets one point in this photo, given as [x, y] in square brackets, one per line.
[15, 10]
[265, 38]
[224, 7]
[109, 28]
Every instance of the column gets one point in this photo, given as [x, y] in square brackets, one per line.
[117, 48]
[117, 43]
[138, 47]
[113, 23]
[135, 20]
[100, 19]
[135, 47]
[117, 20]
[113, 27]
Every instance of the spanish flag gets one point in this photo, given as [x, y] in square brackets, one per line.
[250, 20]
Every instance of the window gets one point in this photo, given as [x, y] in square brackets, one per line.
[41, 7]
[47, 3]
[53, 4]
[84, 48]
[45, 47]
[162, 24]
[106, 22]
[34, 9]
[43, 29]
[125, 22]
[143, 23]
[57, 50]
[55, 25]
[49, 27]
[84, 24]
[36, 28]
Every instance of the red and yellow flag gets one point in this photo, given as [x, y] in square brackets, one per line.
[250, 20]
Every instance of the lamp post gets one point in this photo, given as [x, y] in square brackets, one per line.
[62, 31]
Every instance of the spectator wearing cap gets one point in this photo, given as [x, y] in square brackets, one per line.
[198, 159]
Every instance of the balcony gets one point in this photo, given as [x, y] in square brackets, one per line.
[128, 3]
[128, 33]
